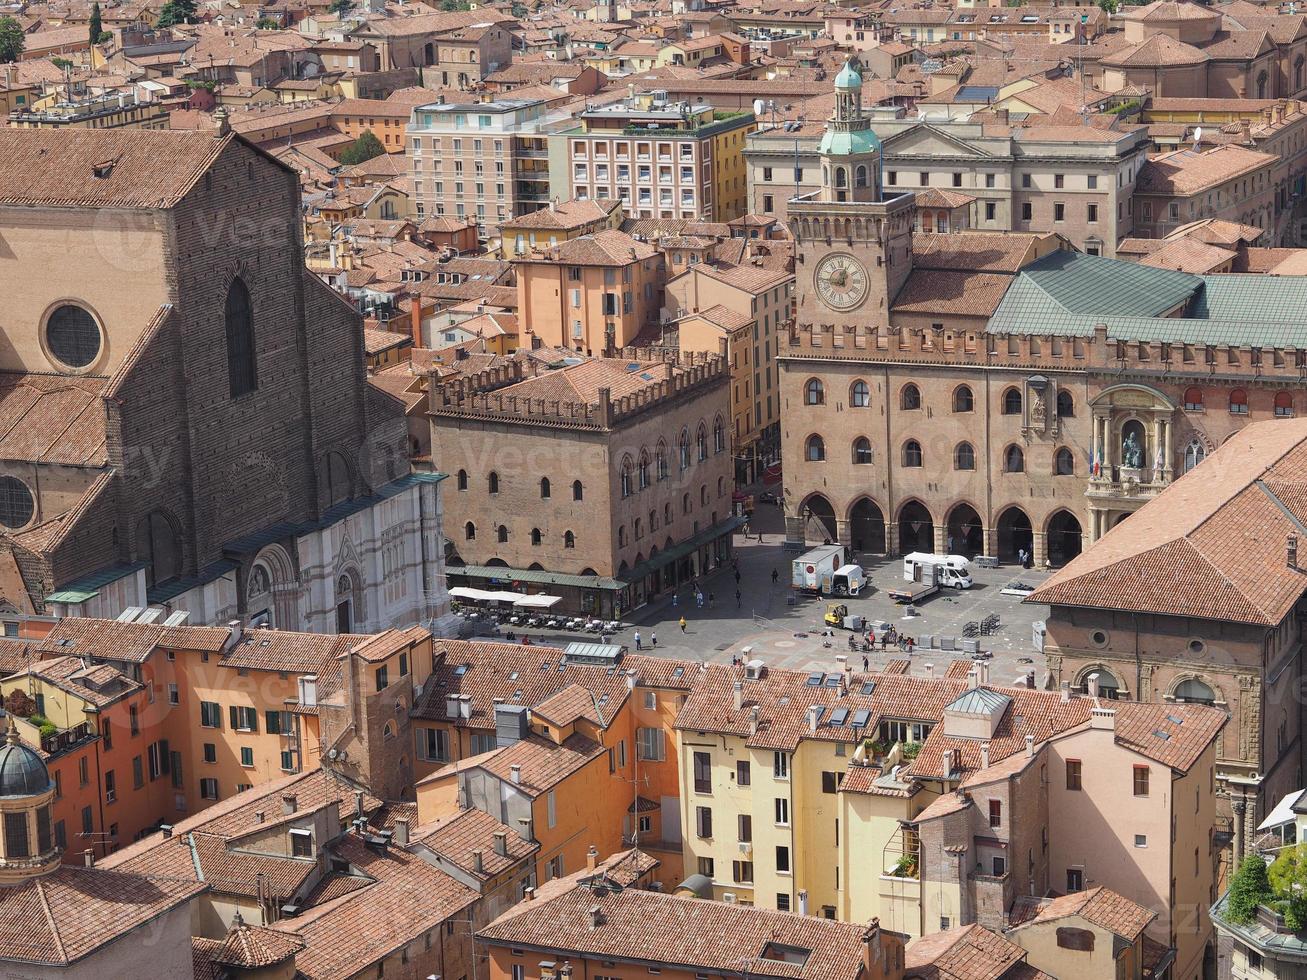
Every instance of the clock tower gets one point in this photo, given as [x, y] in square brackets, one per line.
[854, 244]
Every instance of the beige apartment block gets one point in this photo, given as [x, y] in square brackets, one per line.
[1075, 181]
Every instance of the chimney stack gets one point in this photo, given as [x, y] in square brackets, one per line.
[501, 843]
[528, 894]
[930, 670]
[948, 763]
[1066, 691]
[259, 816]
[973, 678]
[984, 755]
[1291, 550]
[478, 862]
[515, 773]
[591, 858]
[871, 948]
[289, 804]
[737, 694]
[1092, 684]
[814, 712]
[1030, 746]
[753, 719]
[89, 857]
[221, 123]
[1103, 718]
[401, 831]
[596, 917]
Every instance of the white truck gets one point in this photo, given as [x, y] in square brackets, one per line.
[949, 570]
[815, 571]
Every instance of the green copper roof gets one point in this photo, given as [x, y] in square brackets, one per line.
[1068, 294]
[848, 77]
[849, 144]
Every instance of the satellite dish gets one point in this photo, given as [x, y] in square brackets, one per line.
[921, 116]
[332, 755]
[758, 106]
[1198, 134]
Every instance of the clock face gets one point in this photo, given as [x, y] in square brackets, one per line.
[841, 282]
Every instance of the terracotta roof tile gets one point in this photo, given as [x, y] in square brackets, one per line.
[963, 953]
[1101, 906]
[689, 933]
[253, 947]
[62, 168]
[474, 830]
[1218, 531]
[65, 916]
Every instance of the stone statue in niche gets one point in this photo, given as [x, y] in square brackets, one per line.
[1132, 454]
[1037, 410]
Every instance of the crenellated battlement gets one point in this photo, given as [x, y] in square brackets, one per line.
[482, 394]
[1054, 352]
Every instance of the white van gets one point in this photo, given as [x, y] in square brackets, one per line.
[950, 570]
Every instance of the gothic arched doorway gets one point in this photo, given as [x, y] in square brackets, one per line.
[1014, 534]
[867, 527]
[1064, 537]
[818, 518]
[966, 535]
[916, 528]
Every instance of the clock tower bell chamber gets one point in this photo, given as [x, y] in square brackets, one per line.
[853, 244]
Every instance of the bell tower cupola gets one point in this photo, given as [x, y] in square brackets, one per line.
[850, 151]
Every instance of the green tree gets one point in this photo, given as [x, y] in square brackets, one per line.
[364, 148]
[12, 39]
[176, 12]
[519, 11]
[63, 64]
[1249, 888]
[97, 25]
[1108, 6]
[341, 7]
[267, 24]
[448, 5]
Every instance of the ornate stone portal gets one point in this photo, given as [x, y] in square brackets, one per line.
[1132, 459]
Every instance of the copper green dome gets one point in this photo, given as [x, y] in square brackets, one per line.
[848, 78]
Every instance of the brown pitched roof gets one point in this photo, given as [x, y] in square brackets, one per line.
[252, 947]
[410, 898]
[51, 419]
[103, 167]
[688, 933]
[474, 830]
[62, 917]
[963, 953]
[952, 293]
[1101, 906]
[1187, 172]
[603, 248]
[1210, 546]
[1158, 51]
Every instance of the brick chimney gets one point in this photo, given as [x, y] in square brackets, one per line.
[1291, 550]
[415, 318]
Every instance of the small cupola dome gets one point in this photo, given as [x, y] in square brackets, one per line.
[22, 770]
[848, 78]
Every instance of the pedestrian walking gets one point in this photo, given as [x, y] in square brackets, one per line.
[653, 638]
[637, 640]
[737, 598]
[760, 537]
[675, 600]
[682, 624]
[712, 599]
[866, 664]
[698, 600]
[911, 643]
[775, 575]
[884, 641]
[737, 576]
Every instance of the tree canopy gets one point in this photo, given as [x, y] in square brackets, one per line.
[364, 148]
[176, 12]
[12, 39]
[1249, 887]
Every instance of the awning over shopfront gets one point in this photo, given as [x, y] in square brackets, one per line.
[500, 573]
[686, 547]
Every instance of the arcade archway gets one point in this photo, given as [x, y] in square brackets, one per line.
[867, 527]
[1064, 538]
[966, 535]
[916, 528]
[1014, 534]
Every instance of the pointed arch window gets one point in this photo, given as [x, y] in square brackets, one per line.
[242, 376]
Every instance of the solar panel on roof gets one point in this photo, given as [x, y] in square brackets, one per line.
[815, 678]
[839, 716]
[860, 719]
